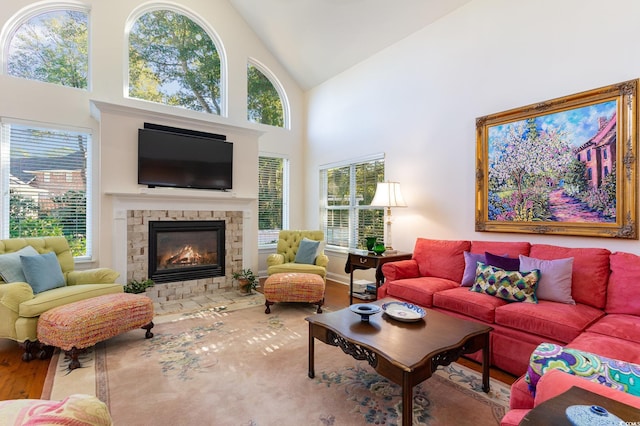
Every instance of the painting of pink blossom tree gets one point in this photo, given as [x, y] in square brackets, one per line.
[553, 167]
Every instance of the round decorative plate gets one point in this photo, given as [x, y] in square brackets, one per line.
[591, 415]
[403, 311]
[364, 310]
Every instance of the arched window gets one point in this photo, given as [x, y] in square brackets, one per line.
[174, 61]
[50, 44]
[266, 102]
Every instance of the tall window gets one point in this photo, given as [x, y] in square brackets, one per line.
[346, 215]
[46, 184]
[273, 198]
[173, 61]
[263, 101]
[52, 47]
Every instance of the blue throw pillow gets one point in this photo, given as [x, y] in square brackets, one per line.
[307, 251]
[11, 267]
[42, 272]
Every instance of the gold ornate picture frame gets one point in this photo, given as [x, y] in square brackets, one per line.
[567, 166]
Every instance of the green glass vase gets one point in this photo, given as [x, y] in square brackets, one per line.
[379, 248]
[371, 242]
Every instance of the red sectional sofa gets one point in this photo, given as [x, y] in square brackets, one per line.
[605, 318]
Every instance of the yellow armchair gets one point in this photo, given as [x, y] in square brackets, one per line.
[20, 308]
[284, 258]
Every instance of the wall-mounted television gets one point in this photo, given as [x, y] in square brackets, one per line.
[181, 158]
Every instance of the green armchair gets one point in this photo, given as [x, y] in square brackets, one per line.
[284, 258]
[20, 307]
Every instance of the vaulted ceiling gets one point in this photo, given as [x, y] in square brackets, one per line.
[318, 39]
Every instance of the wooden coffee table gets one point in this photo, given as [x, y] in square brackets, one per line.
[407, 353]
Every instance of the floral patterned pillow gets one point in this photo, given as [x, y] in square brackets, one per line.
[514, 286]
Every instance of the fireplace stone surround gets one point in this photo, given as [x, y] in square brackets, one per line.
[131, 213]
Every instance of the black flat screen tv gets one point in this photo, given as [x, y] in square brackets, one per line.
[180, 158]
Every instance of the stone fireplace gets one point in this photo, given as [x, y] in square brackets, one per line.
[184, 250]
[185, 281]
[133, 211]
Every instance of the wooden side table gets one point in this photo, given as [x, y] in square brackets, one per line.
[366, 260]
[552, 411]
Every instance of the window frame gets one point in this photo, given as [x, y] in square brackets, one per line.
[213, 35]
[25, 14]
[5, 163]
[285, 195]
[284, 100]
[352, 207]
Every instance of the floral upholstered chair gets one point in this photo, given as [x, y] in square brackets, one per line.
[299, 251]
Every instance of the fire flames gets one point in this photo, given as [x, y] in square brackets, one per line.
[185, 256]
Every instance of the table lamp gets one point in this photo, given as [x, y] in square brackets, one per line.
[388, 195]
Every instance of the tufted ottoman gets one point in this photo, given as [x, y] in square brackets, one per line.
[294, 287]
[82, 324]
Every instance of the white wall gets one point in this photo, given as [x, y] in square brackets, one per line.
[115, 146]
[417, 101]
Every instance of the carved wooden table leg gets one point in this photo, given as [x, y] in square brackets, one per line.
[407, 400]
[312, 372]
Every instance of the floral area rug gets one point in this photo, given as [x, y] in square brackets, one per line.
[246, 368]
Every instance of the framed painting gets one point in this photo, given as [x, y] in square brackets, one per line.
[566, 166]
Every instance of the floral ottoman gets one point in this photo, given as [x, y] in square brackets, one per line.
[294, 287]
[82, 324]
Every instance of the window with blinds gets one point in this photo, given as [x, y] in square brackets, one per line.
[46, 182]
[346, 215]
[273, 194]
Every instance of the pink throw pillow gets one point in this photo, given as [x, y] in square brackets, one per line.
[555, 278]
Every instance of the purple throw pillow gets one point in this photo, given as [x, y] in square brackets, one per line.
[555, 278]
[470, 263]
[503, 262]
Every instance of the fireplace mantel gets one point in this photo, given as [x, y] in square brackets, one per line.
[181, 194]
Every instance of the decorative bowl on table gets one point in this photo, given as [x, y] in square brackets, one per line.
[591, 415]
[365, 310]
[403, 311]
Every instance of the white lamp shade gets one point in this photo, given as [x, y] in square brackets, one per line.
[388, 194]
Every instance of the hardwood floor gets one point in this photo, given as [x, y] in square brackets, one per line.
[20, 379]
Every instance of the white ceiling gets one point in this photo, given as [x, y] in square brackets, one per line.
[318, 39]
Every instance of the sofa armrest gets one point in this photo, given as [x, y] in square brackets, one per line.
[621, 375]
[401, 269]
[556, 382]
[322, 260]
[275, 259]
[92, 276]
[13, 294]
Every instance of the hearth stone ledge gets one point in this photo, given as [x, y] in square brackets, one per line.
[137, 252]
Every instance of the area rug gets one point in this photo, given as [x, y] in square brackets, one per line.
[243, 367]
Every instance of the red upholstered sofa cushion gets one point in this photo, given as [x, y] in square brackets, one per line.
[419, 290]
[625, 327]
[624, 284]
[502, 248]
[441, 258]
[551, 320]
[476, 305]
[607, 346]
[590, 271]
